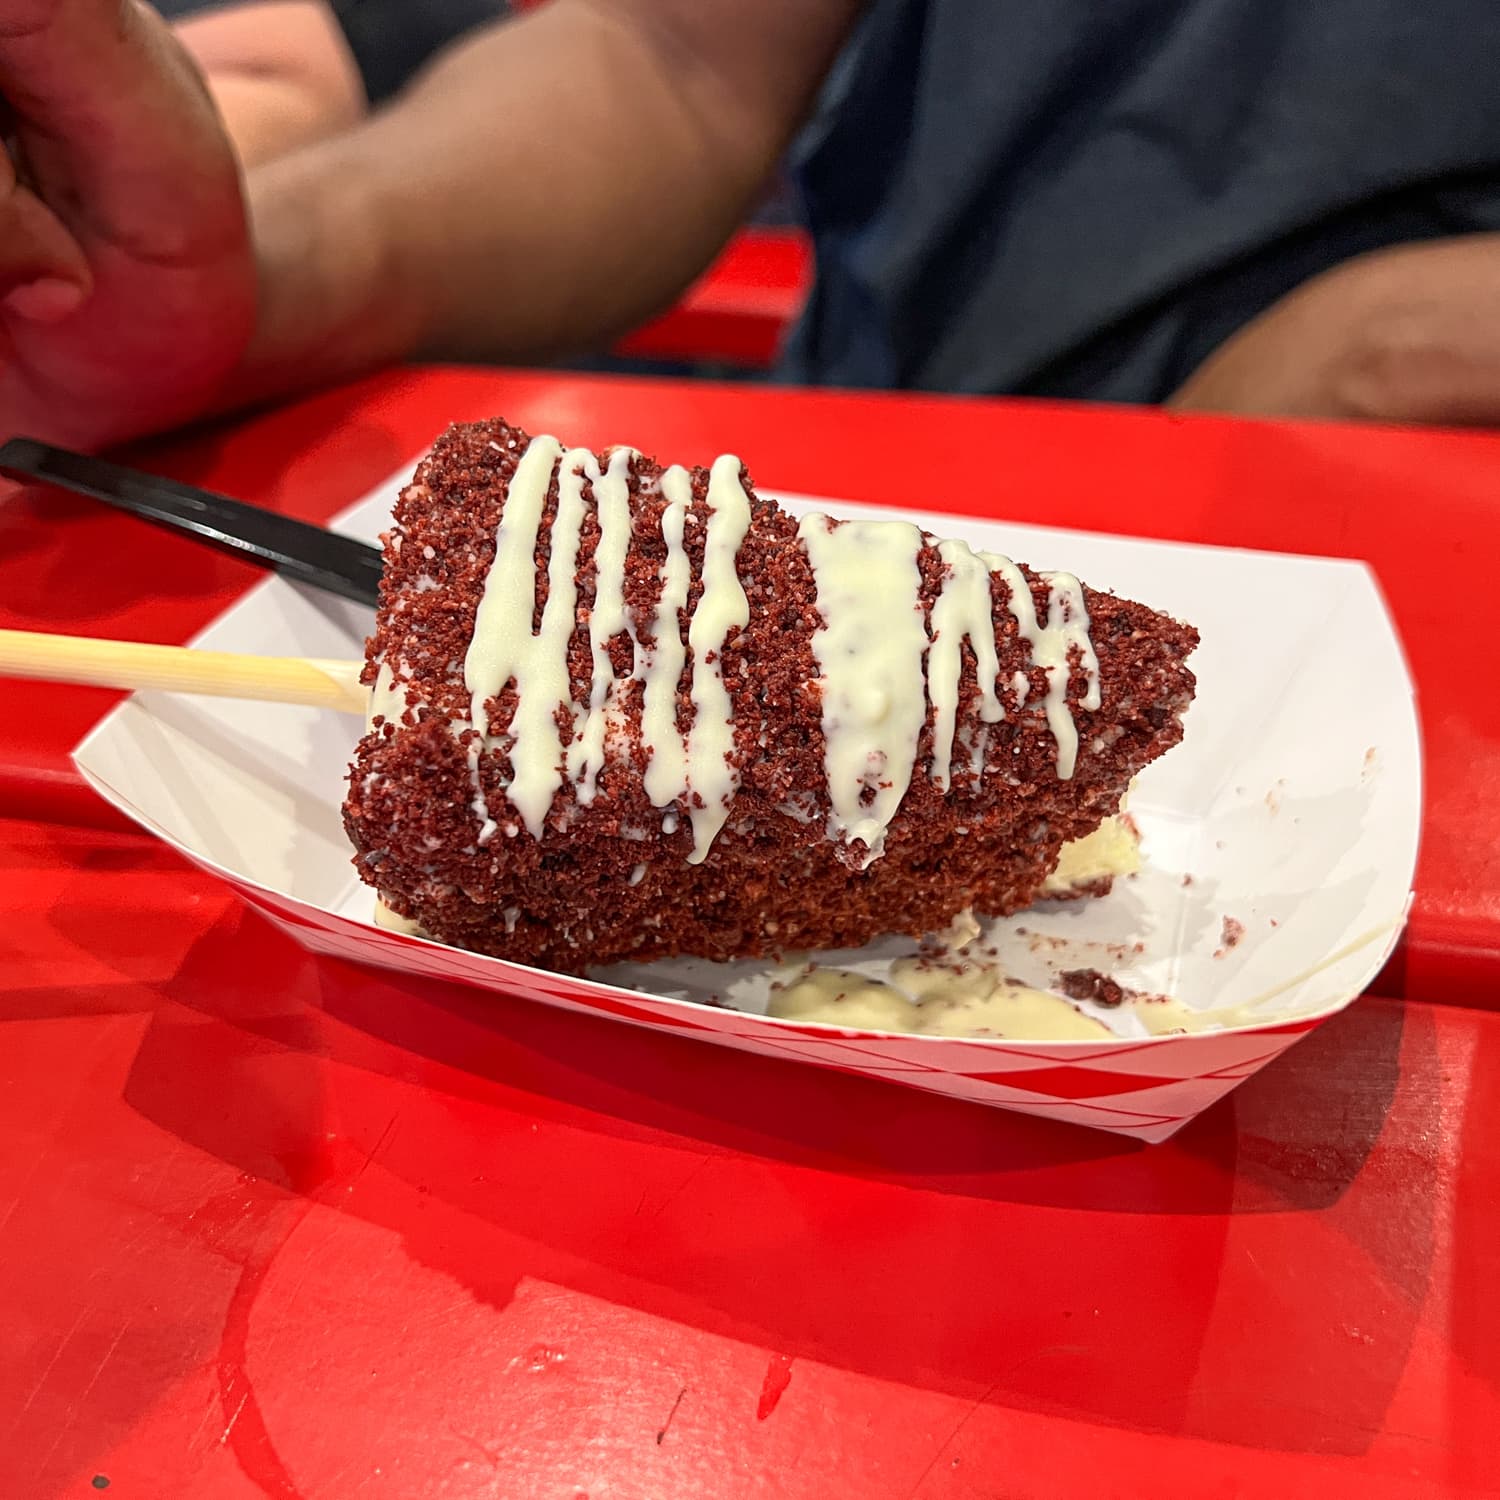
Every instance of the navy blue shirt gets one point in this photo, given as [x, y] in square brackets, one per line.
[1086, 197]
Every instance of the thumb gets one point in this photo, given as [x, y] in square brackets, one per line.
[61, 61]
[119, 130]
[43, 273]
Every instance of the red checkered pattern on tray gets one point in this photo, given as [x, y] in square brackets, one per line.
[1143, 1089]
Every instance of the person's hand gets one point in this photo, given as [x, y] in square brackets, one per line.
[1407, 335]
[127, 282]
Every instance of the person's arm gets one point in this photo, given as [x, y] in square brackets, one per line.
[280, 71]
[127, 287]
[546, 185]
[543, 185]
[1406, 335]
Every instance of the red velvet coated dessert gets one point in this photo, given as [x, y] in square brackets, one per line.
[457, 825]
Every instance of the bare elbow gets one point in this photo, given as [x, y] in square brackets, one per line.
[1409, 365]
[280, 71]
[1426, 349]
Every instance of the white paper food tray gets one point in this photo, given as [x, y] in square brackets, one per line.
[1293, 805]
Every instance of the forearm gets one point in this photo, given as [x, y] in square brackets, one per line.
[280, 71]
[330, 304]
[551, 182]
[267, 117]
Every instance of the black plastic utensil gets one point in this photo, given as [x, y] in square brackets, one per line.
[295, 549]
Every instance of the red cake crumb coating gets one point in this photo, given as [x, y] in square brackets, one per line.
[607, 882]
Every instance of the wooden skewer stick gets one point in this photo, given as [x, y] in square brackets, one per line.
[178, 669]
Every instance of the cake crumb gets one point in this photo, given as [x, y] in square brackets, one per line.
[1229, 936]
[1090, 984]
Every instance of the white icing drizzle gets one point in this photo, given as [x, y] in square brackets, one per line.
[666, 773]
[961, 611]
[1068, 627]
[869, 650]
[609, 618]
[504, 648]
[722, 610]
[1051, 647]
[879, 669]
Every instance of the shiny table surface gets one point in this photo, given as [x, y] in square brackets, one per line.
[277, 1226]
[1423, 508]
[285, 1227]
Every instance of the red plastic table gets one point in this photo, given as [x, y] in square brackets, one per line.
[739, 311]
[1423, 508]
[276, 1226]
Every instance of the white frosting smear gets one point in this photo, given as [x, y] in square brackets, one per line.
[934, 1001]
[1112, 850]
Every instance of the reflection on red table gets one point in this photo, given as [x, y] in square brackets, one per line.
[277, 1226]
[281, 1227]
